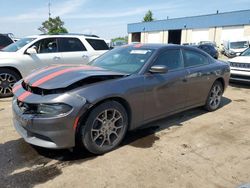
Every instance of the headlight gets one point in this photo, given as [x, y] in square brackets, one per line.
[50, 110]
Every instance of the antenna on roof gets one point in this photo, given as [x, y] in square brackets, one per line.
[49, 4]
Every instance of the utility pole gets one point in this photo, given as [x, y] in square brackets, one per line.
[49, 8]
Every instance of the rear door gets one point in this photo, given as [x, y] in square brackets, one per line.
[165, 93]
[73, 51]
[199, 76]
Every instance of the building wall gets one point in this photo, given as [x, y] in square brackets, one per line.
[247, 31]
[187, 35]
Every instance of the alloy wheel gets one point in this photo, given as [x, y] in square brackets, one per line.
[7, 82]
[215, 96]
[107, 128]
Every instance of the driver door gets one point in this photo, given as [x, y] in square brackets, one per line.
[47, 54]
[166, 92]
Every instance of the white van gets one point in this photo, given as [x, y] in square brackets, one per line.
[234, 48]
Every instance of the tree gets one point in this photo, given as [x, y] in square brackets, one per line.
[148, 17]
[53, 26]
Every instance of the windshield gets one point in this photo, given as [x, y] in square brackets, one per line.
[246, 52]
[240, 44]
[17, 45]
[125, 59]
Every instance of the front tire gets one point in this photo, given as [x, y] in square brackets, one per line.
[214, 97]
[7, 80]
[105, 127]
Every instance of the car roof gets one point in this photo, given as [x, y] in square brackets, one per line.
[66, 35]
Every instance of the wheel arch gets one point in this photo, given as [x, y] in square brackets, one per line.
[13, 69]
[222, 81]
[120, 100]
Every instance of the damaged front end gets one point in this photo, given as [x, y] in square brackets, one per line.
[48, 114]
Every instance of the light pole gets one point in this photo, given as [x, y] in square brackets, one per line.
[49, 4]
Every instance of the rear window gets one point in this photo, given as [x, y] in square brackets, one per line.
[5, 41]
[70, 45]
[98, 44]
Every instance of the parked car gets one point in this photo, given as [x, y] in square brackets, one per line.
[210, 49]
[208, 42]
[240, 67]
[35, 52]
[94, 105]
[5, 40]
[234, 48]
[118, 43]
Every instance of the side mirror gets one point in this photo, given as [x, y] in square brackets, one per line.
[31, 50]
[158, 69]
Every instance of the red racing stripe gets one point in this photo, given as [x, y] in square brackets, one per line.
[38, 72]
[14, 89]
[76, 122]
[138, 45]
[24, 95]
[58, 73]
[51, 76]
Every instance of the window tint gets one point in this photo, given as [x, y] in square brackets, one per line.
[170, 58]
[47, 45]
[193, 58]
[5, 41]
[98, 44]
[71, 45]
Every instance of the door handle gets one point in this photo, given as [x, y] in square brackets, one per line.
[56, 58]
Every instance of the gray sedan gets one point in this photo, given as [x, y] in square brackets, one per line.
[95, 105]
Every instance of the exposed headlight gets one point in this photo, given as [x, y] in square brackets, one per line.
[49, 110]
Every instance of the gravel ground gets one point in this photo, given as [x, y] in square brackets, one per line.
[191, 149]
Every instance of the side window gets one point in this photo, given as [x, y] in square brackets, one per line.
[193, 58]
[46, 46]
[71, 45]
[98, 44]
[5, 41]
[171, 59]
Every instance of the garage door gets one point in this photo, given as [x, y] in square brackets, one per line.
[232, 33]
[154, 37]
[200, 35]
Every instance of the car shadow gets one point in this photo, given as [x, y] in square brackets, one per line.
[23, 165]
[145, 136]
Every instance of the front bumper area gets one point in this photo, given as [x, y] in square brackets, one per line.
[55, 132]
[240, 75]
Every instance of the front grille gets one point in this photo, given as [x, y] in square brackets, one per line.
[240, 65]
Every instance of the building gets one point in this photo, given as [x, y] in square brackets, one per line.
[213, 27]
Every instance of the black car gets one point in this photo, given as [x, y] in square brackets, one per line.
[94, 105]
[210, 49]
[5, 40]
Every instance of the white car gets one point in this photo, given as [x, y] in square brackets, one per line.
[35, 52]
[240, 67]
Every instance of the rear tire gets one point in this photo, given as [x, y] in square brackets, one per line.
[8, 78]
[104, 128]
[214, 97]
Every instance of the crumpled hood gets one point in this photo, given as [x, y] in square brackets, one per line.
[240, 59]
[58, 77]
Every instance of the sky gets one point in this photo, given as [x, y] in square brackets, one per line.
[106, 18]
